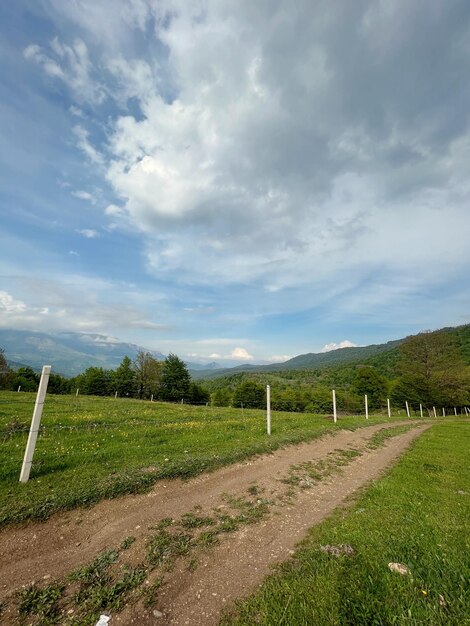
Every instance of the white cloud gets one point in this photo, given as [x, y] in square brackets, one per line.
[280, 358]
[275, 147]
[9, 304]
[86, 147]
[337, 346]
[71, 64]
[84, 195]
[89, 233]
[240, 354]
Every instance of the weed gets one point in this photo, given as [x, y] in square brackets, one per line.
[192, 564]
[191, 520]
[166, 547]
[149, 592]
[379, 438]
[96, 573]
[126, 543]
[44, 603]
[208, 538]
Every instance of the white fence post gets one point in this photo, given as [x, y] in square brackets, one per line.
[407, 408]
[388, 408]
[455, 411]
[268, 409]
[76, 394]
[35, 423]
[421, 409]
[115, 395]
[335, 416]
[443, 412]
[19, 389]
[434, 410]
[367, 406]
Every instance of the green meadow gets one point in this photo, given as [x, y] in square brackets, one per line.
[90, 448]
[416, 516]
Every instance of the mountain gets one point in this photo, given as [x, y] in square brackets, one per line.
[383, 356]
[71, 353]
[68, 353]
[311, 360]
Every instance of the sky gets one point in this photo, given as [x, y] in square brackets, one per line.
[233, 180]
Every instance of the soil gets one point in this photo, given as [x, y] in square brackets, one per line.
[227, 571]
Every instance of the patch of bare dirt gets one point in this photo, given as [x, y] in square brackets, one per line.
[227, 571]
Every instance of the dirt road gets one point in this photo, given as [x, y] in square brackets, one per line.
[240, 560]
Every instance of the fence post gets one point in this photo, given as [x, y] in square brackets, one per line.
[19, 389]
[421, 409]
[388, 408]
[367, 406]
[407, 408]
[335, 416]
[268, 409]
[434, 410]
[35, 423]
[115, 395]
[455, 411]
[76, 394]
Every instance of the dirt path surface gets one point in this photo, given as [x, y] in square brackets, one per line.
[226, 571]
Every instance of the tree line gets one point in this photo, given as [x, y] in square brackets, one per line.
[144, 378]
[430, 368]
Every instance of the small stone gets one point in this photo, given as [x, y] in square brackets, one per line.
[157, 613]
[137, 527]
[442, 600]
[399, 568]
[46, 576]
[341, 549]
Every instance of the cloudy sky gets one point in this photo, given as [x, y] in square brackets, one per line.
[235, 179]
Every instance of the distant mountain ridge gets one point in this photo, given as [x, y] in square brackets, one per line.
[311, 360]
[70, 353]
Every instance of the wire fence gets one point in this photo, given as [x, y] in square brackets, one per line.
[57, 450]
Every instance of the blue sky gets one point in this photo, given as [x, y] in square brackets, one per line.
[235, 181]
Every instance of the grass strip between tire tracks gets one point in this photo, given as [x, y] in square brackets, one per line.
[417, 516]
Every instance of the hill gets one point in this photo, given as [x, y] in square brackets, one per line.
[311, 360]
[69, 353]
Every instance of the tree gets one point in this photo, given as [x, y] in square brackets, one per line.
[125, 380]
[369, 381]
[197, 394]
[221, 397]
[148, 373]
[58, 384]
[6, 374]
[432, 371]
[175, 380]
[95, 381]
[27, 378]
[250, 395]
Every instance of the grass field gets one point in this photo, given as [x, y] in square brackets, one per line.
[416, 516]
[91, 448]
